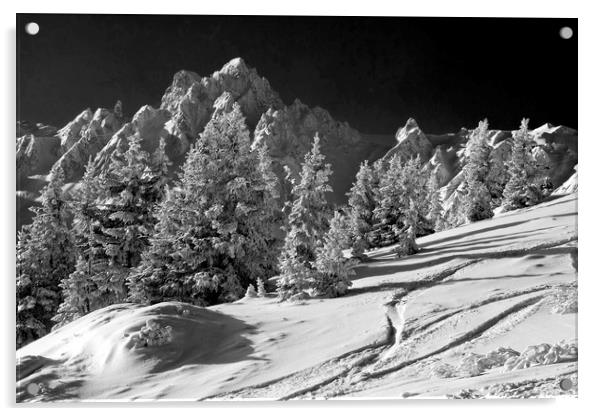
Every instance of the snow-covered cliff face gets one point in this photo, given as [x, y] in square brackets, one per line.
[288, 130]
[191, 99]
[88, 140]
[148, 123]
[411, 142]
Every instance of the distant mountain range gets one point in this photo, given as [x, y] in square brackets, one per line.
[287, 129]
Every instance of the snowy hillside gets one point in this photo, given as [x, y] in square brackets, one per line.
[485, 309]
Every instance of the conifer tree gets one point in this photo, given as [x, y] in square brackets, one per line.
[333, 269]
[435, 213]
[400, 199]
[309, 209]
[78, 289]
[527, 184]
[391, 195]
[261, 288]
[407, 235]
[158, 171]
[362, 201]
[307, 223]
[416, 182]
[251, 292]
[275, 217]
[45, 256]
[477, 201]
[496, 179]
[215, 231]
[296, 272]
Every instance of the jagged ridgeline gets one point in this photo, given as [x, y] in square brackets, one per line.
[286, 129]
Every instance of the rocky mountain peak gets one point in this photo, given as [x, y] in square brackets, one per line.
[191, 99]
[411, 141]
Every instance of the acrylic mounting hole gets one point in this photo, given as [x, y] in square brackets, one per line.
[32, 28]
[566, 32]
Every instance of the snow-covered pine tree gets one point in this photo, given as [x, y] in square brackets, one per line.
[435, 212]
[407, 236]
[333, 269]
[528, 184]
[261, 288]
[214, 232]
[251, 292]
[393, 197]
[476, 200]
[362, 202]
[496, 179]
[309, 208]
[296, 272]
[125, 214]
[45, 256]
[416, 182]
[274, 214]
[158, 171]
[390, 195]
[307, 222]
[402, 200]
[80, 292]
[78, 289]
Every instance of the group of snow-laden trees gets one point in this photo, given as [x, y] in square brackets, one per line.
[491, 182]
[125, 235]
[393, 201]
[45, 256]
[113, 222]
[528, 183]
[217, 229]
[77, 254]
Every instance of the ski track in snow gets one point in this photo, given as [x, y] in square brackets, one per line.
[340, 376]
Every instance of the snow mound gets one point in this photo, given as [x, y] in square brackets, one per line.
[108, 344]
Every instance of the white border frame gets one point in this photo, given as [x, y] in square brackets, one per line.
[590, 128]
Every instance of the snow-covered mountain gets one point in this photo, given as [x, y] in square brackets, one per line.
[287, 129]
[487, 309]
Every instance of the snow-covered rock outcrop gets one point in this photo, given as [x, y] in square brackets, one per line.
[35, 154]
[411, 142]
[191, 99]
[71, 133]
[148, 123]
[89, 140]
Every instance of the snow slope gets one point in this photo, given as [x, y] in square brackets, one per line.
[469, 290]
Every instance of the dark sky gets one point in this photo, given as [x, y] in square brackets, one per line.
[372, 72]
